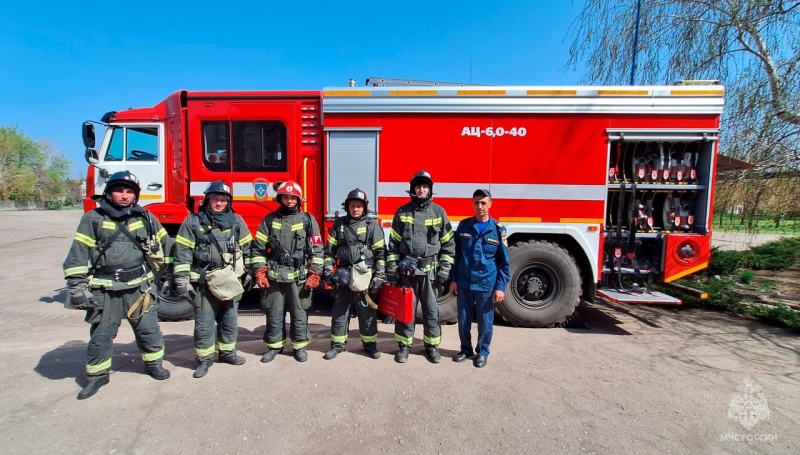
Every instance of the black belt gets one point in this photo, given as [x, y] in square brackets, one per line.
[285, 259]
[123, 272]
[424, 262]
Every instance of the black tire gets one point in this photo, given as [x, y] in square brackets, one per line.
[170, 307]
[448, 309]
[545, 285]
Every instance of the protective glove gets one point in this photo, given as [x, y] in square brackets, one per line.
[442, 275]
[183, 289]
[313, 280]
[261, 277]
[375, 285]
[82, 299]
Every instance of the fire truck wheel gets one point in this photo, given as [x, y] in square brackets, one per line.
[170, 307]
[448, 309]
[545, 285]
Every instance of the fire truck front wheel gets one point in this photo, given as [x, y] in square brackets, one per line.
[545, 285]
[448, 308]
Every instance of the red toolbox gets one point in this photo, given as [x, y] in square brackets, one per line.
[397, 302]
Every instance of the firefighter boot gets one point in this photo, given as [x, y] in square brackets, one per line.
[432, 354]
[372, 351]
[202, 368]
[333, 352]
[402, 354]
[231, 358]
[156, 371]
[300, 355]
[270, 355]
[92, 386]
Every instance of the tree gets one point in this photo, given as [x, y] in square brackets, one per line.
[32, 171]
[20, 157]
[752, 46]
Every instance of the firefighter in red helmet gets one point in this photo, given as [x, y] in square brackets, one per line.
[116, 244]
[215, 238]
[287, 261]
[357, 247]
[420, 253]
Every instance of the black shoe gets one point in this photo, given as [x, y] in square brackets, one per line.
[232, 358]
[460, 357]
[156, 371]
[91, 387]
[270, 355]
[332, 353]
[402, 354]
[372, 351]
[432, 354]
[202, 368]
[300, 355]
[480, 361]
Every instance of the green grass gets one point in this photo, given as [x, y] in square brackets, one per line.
[761, 225]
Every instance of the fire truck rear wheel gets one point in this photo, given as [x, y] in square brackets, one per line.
[171, 308]
[448, 309]
[545, 285]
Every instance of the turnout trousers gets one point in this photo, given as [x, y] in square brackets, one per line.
[346, 299]
[115, 306]
[209, 312]
[276, 301]
[476, 304]
[432, 330]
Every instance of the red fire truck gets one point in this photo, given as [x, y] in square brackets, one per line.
[603, 190]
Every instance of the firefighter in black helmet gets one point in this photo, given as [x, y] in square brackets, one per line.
[213, 238]
[112, 244]
[357, 248]
[420, 252]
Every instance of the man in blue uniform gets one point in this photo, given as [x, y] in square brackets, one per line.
[479, 276]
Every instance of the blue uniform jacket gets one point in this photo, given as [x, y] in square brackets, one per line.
[481, 259]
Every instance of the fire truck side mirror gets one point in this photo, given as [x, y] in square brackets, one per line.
[88, 135]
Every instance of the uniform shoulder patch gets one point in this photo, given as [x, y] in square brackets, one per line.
[316, 239]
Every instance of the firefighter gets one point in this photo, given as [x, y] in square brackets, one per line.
[479, 276]
[113, 245]
[287, 260]
[202, 240]
[420, 252]
[358, 245]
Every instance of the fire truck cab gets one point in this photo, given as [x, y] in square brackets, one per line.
[593, 184]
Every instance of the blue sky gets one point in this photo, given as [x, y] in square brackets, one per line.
[67, 62]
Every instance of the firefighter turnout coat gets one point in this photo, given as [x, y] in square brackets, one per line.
[115, 268]
[197, 251]
[291, 246]
[351, 241]
[421, 232]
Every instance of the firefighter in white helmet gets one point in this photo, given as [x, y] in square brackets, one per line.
[357, 248]
[420, 253]
[113, 244]
[287, 261]
[214, 238]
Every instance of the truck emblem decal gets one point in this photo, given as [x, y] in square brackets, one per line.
[260, 189]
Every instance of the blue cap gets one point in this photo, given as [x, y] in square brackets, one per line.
[482, 192]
